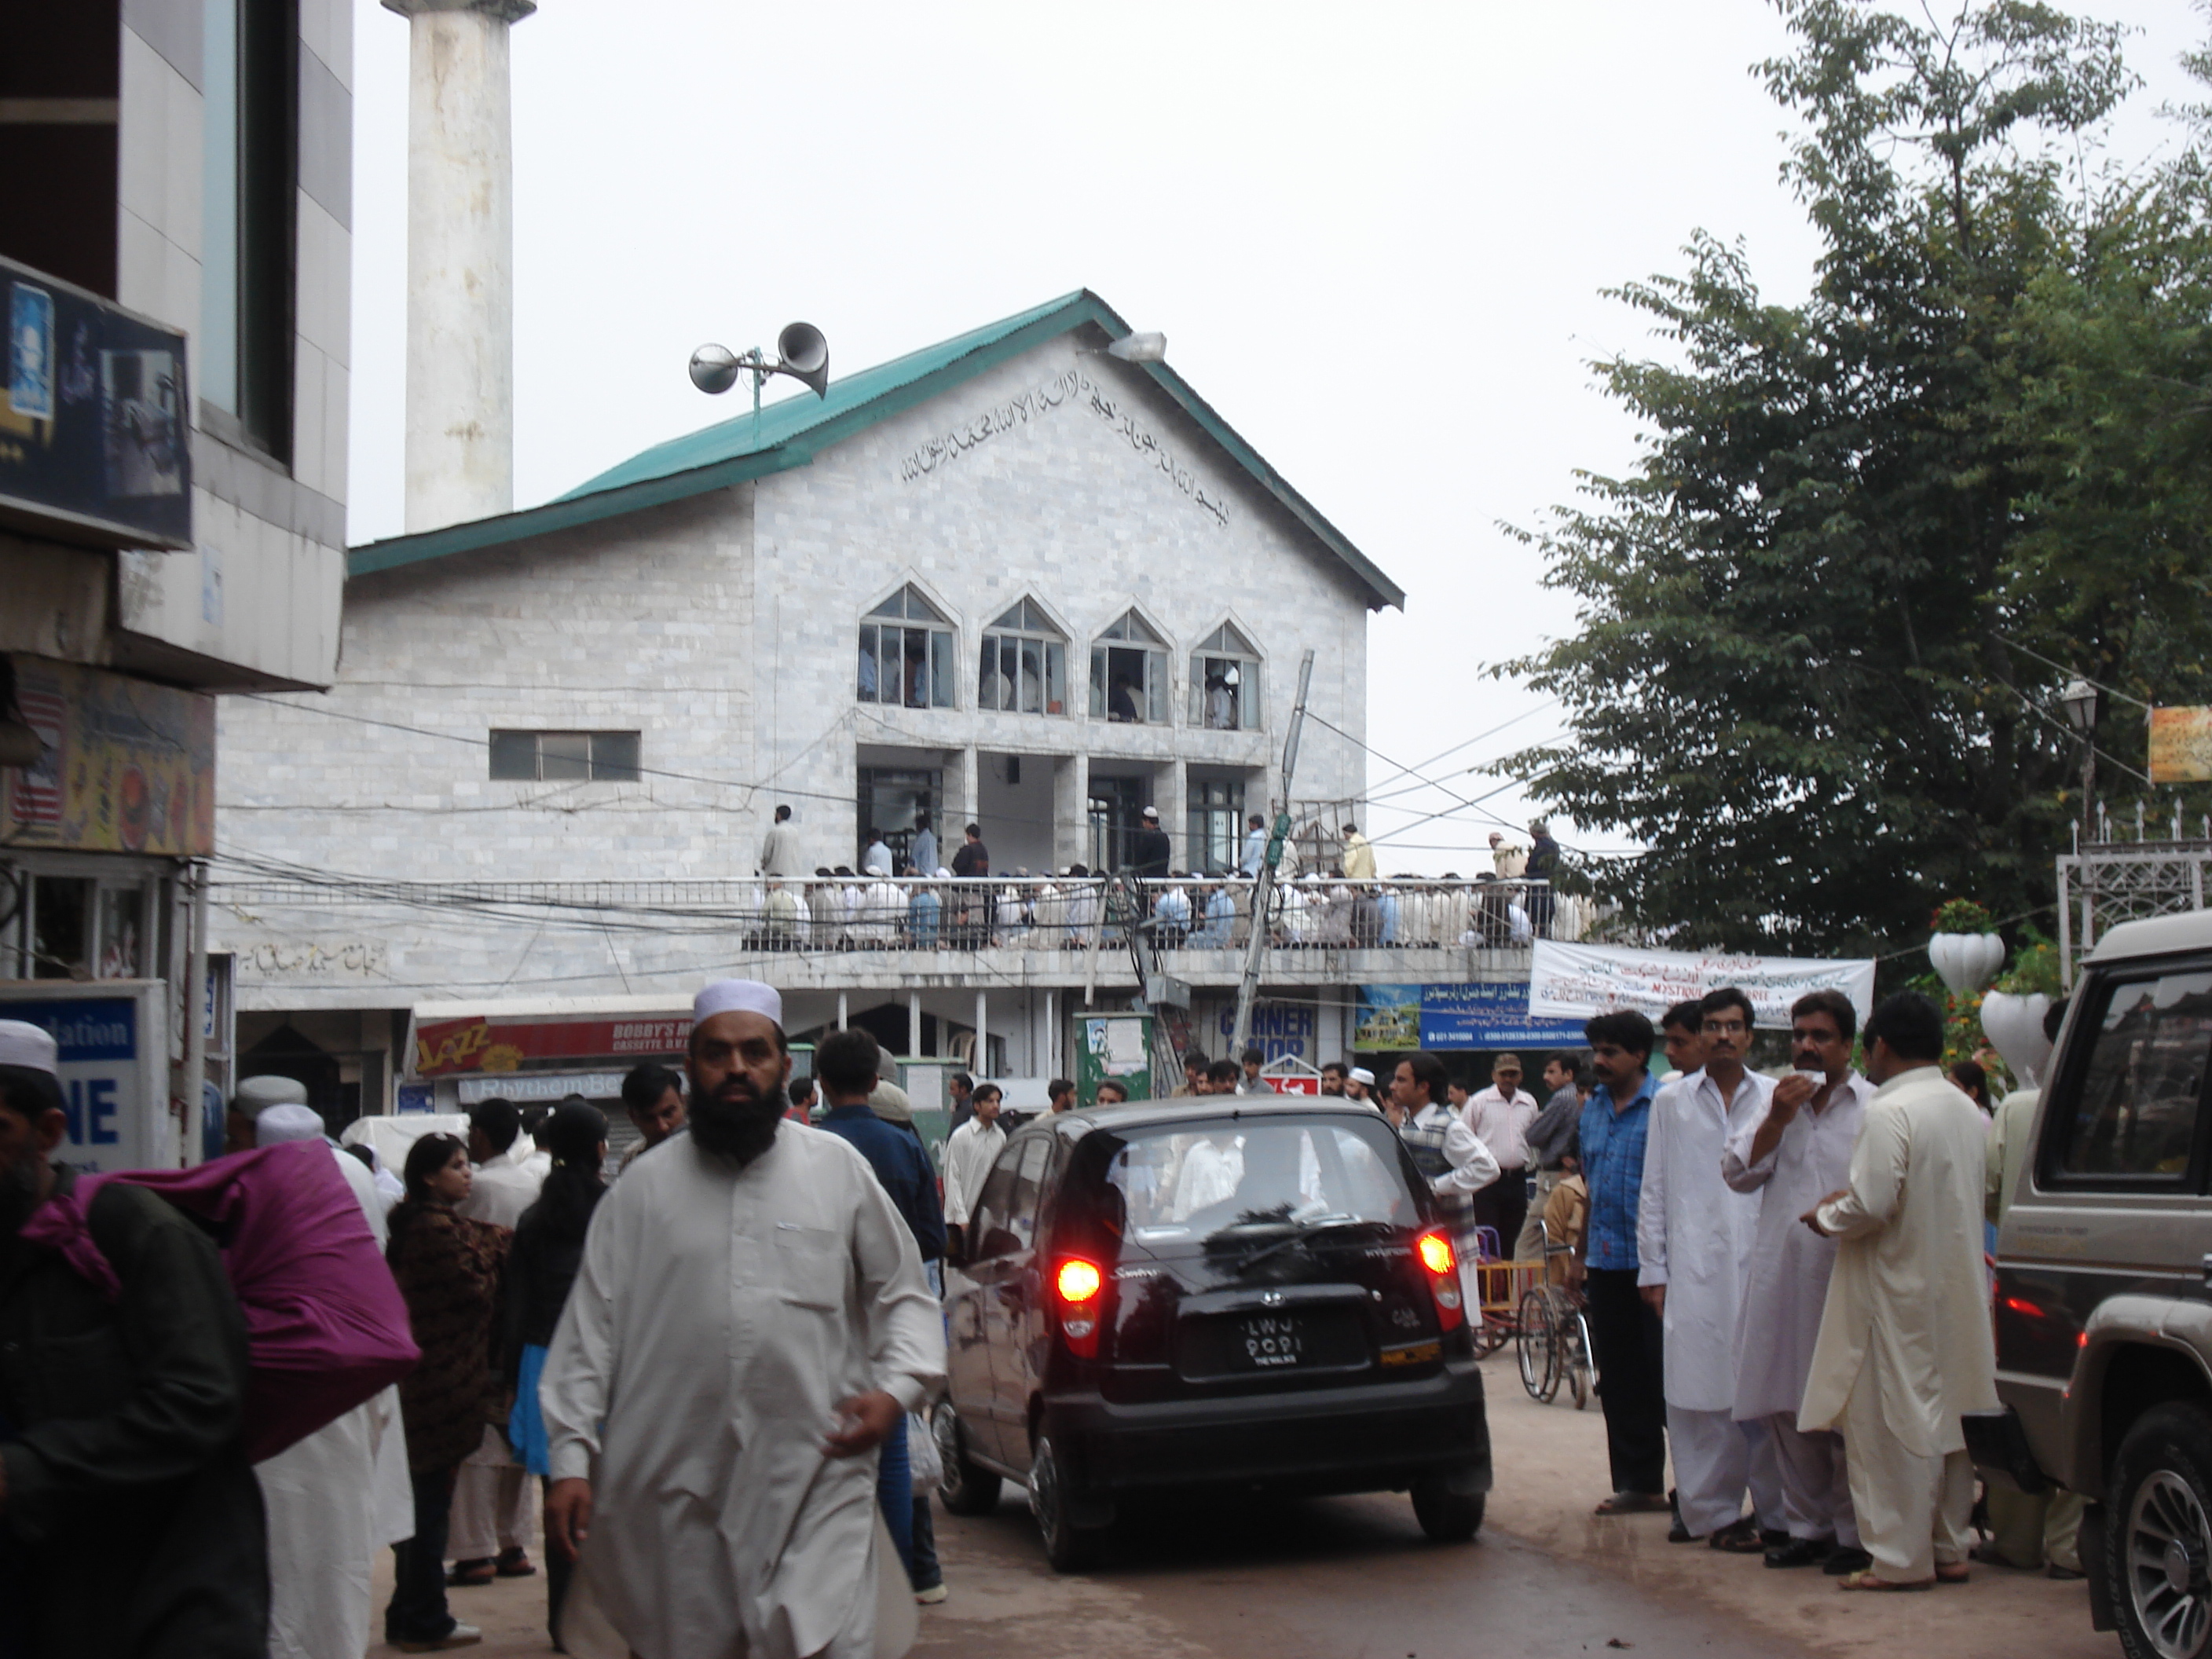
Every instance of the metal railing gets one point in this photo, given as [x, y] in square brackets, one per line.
[1035, 912]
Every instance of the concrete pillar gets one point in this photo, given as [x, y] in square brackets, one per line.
[1172, 794]
[913, 1023]
[843, 1009]
[983, 1064]
[1051, 1039]
[1071, 811]
[460, 260]
[971, 798]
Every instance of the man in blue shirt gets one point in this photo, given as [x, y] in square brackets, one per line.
[1623, 1328]
[846, 1064]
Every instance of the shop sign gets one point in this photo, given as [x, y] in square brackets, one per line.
[126, 766]
[1456, 1017]
[1280, 1029]
[450, 1048]
[528, 1088]
[111, 1058]
[95, 443]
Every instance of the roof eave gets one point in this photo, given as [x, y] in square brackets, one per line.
[1084, 306]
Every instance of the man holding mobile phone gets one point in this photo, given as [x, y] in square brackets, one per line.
[1798, 1151]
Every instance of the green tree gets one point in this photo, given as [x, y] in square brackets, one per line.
[1798, 675]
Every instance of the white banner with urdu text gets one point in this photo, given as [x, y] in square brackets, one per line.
[1573, 982]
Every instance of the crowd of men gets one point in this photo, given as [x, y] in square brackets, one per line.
[1786, 1286]
[903, 898]
[1783, 1282]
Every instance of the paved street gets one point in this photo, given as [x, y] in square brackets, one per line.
[1352, 1578]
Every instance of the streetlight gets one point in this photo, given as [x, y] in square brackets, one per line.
[801, 353]
[2079, 699]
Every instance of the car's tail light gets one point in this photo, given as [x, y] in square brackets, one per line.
[1080, 1288]
[1433, 1250]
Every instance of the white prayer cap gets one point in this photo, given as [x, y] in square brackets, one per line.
[288, 1122]
[1361, 1074]
[258, 1094]
[29, 1046]
[737, 996]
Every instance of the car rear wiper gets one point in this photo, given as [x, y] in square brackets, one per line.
[1307, 1231]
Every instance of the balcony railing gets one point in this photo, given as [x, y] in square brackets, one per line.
[859, 913]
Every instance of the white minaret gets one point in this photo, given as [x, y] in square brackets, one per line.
[460, 260]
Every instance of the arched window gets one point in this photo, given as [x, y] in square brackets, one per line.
[906, 653]
[1025, 668]
[1129, 673]
[1225, 682]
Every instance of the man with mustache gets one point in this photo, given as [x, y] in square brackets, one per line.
[130, 1520]
[1694, 1245]
[750, 1321]
[1795, 1153]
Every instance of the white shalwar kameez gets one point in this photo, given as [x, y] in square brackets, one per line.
[718, 1317]
[1782, 1304]
[1695, 1236]
[334, 1500]
[1904, 1350]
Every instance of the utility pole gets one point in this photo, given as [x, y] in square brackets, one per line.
[1264, 888]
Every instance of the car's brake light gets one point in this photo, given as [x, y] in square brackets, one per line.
[1079, 1286]
[1078, 1279]
[1433, 1250]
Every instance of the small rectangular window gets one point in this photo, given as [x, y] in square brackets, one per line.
[2140, 1097]
[565, 756]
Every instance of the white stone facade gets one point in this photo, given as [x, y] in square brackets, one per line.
[724, 629]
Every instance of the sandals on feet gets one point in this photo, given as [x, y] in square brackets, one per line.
[1868, 1581]
[1633, 1503]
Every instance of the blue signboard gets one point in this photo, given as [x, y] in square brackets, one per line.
[1490, 1017]
[96, 1040]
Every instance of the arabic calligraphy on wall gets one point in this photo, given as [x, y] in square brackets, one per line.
[1033, 405]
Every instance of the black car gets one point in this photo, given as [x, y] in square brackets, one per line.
[1248, 1296]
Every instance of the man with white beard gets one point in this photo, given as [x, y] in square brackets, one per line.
[751, 1320]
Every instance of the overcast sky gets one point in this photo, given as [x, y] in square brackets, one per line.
[1374, 236]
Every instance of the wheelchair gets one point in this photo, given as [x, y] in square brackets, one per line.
[1552, 1335]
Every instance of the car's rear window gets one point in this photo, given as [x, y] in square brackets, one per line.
[2135, 1117]
[1175, 1183]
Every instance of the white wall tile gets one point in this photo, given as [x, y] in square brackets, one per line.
[336, 378]
[142, 266]
[143, 138]
[309, 409]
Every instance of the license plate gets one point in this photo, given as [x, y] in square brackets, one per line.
[1266, 1342]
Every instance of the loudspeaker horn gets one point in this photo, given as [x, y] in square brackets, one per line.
[713, 368]
[805, 356]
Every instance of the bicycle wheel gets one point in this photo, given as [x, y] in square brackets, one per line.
[1537, 1343]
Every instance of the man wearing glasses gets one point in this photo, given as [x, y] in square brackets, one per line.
[1694, 1237]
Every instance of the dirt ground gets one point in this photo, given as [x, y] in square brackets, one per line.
[1551, 1469]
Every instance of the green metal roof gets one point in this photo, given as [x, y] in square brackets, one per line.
[792, 431]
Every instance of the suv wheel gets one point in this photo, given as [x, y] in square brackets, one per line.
[2159, 1551]
[1069, 1548]
[1445, 1516]
[964, 1489]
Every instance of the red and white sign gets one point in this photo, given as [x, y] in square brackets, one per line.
[449, 1047]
